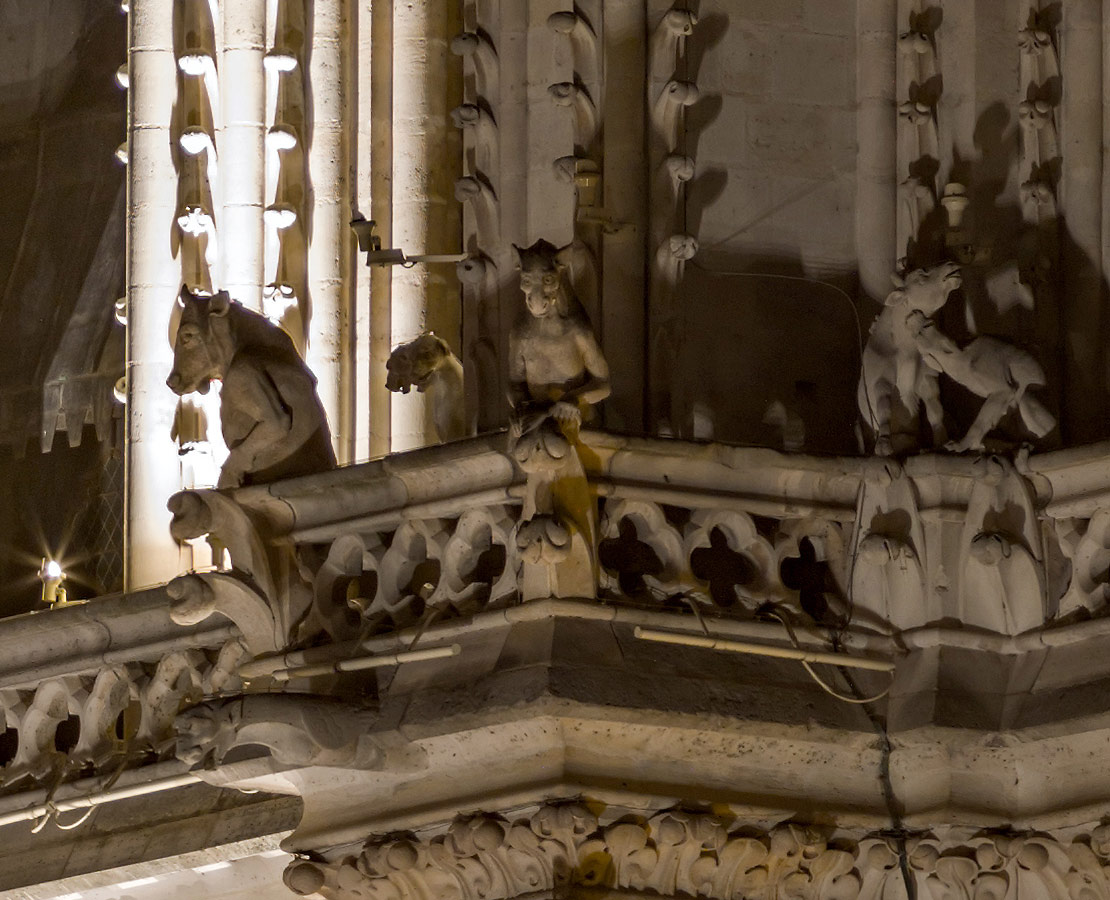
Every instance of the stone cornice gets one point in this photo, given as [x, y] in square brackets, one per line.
[563, 845]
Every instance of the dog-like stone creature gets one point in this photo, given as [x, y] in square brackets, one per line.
[428, 365]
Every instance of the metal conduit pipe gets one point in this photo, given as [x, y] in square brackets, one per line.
[85, 801]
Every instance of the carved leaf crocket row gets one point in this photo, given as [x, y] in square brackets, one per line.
[676, 852]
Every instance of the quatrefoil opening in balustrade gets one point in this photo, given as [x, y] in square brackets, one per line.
[67, 733]
[487, 571]
[727, 572]
[409, 572]
[629, 559]
[421, 584]
[812, 578]
[354, 594]
[477, 565]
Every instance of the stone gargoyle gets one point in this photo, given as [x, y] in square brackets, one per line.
[998, 372]
[272, 420]
[906, 353]
[297, 729]
[895, 381]
[556, 368]
[556, 374]
[428, 364]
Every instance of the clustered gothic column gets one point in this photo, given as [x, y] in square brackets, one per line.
[241, 146]
[152, 281]
[214, 157]
[424, 298]
[379, 91]
[329, 325]
[875, 133]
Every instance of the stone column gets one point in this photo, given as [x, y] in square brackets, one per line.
[621, 322]
[153, 278]
[361, 108]
[241, 150]
[1082, 292]
[381, 211]
[424, 298]
[329, 250]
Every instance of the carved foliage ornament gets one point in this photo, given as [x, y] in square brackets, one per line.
[486, 857]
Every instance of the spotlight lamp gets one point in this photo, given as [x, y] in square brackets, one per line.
[52, 577]
[371, 244]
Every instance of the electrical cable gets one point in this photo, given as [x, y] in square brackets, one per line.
[898, 831]
[821, 683]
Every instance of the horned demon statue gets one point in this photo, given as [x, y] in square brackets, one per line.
[556, 374]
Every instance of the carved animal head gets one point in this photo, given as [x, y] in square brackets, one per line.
[412, 364]
[208, 727]
[925, 290]
[543, 278]
[201, 351]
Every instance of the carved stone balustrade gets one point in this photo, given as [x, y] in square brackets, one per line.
[89, 783]
[400, 590]
[876, 546]
[93, 687]
[370, 646]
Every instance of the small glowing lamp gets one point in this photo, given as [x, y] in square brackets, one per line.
[52, 576]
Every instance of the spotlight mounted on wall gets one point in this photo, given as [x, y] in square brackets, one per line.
[371, 244]
[52, 577]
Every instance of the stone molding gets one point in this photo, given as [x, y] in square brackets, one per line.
[675, 852]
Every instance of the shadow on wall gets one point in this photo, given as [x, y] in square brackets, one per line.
[769, 357]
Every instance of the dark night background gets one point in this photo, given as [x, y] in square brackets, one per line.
[62, 116]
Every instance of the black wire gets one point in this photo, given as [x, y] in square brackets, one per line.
[897, 830]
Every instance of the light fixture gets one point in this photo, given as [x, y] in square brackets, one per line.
[280, 215]
[281, 137]
[52, 576]
[195, 140]
[198, 63]
[371, 244]
[360, 663]
[279, 61]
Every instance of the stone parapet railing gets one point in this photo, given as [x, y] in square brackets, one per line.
[94, 688]
[380, 617]
[870, 544]
[887, 561]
